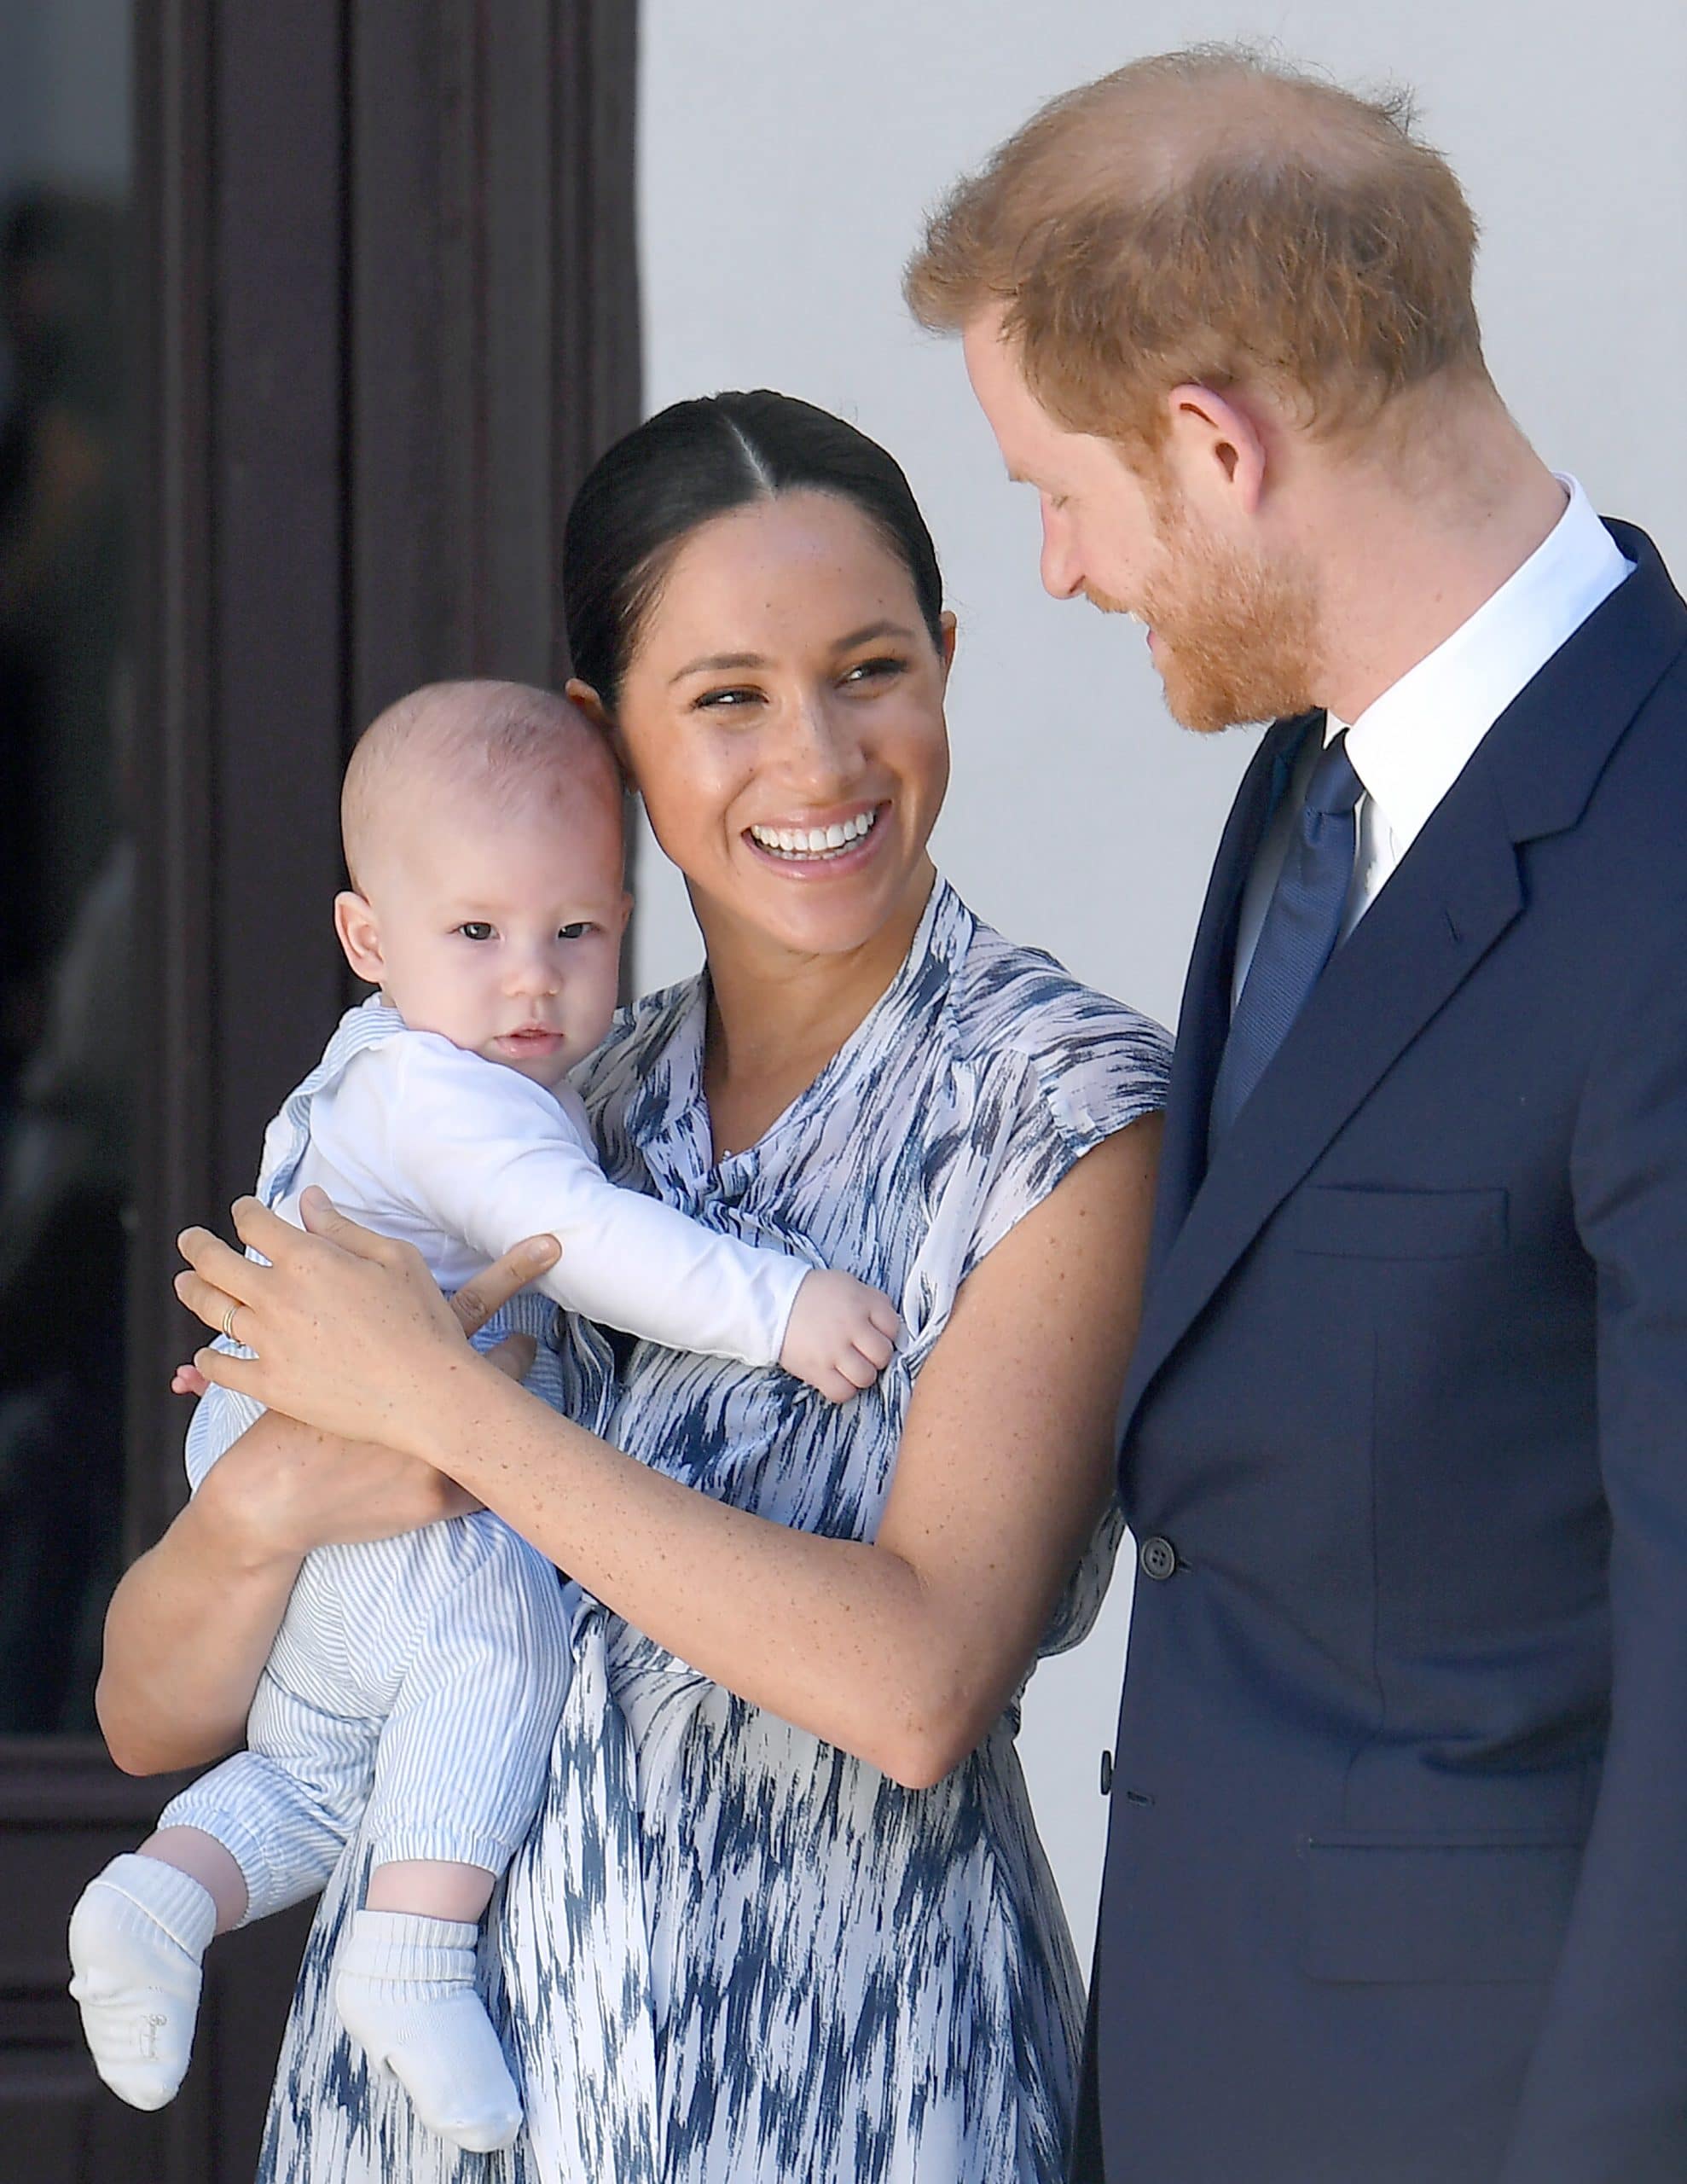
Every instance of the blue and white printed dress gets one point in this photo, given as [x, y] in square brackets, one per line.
[730, 1953]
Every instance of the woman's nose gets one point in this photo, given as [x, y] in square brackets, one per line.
[823, 747]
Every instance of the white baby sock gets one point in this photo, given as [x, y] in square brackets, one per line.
[136, 1936]
[406, 1991]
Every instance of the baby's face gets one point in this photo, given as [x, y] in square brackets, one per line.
[502, 934]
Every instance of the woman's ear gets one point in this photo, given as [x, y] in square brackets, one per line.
[583, 695]
[586, 699]
[951, 629]
[359, 930]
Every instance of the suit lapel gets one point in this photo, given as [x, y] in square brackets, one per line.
[1433, 922]
[1454, 894]
[1204, 1017]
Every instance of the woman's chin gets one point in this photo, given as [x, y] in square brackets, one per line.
[832, 907]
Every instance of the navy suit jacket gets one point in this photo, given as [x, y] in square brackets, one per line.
[1396, 1884]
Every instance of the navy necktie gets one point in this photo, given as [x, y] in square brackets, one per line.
[1302, 925]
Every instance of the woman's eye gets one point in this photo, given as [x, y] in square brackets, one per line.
[875, 671]
[475, 929]
[727, 700]
[577, 931]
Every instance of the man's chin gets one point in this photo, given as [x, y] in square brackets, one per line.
[1203, 712]
[1210, 708]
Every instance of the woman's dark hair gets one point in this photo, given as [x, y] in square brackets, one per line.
[699, 460]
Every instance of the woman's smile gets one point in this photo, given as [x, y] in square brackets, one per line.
[821, 842]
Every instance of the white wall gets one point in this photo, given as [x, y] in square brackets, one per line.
[788, 148]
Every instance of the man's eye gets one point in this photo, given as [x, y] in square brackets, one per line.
[475, 929]
[577, 931]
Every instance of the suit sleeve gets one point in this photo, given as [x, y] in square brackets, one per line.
[1605, 2099]
[491, 1157]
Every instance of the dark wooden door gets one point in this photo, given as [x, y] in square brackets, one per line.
[381, 312]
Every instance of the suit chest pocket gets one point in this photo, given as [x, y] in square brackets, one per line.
[1351, 1220]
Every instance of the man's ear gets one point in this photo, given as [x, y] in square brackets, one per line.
[1219, 446]
[359, 930]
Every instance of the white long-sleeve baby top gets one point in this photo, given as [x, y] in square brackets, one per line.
[463, 1158]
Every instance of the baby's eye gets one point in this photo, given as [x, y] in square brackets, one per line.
[577, 931]
[475, 929]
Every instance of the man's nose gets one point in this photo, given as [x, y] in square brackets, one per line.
[1062, 572]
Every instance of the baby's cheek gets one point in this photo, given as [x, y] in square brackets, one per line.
[599, 1000]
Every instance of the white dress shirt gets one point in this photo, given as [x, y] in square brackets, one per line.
[1411, 744]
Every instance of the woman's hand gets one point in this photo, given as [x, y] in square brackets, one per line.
[352, 1336]
[192, 1621]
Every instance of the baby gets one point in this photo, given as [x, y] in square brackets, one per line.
[422, 1676]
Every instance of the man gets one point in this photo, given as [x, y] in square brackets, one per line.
[1397, 1881]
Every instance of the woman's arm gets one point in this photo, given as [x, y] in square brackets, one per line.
[903, 1650]
[192, 1622]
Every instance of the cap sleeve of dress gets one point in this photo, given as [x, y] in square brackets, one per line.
[1077, 1068]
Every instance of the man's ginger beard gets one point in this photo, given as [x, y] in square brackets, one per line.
[1235, 636]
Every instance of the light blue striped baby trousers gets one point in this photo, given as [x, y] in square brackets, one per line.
[421, 1677]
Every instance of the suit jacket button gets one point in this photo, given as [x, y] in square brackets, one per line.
[1106, 1774]
[1157, 1556]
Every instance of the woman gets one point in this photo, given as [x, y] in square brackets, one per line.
[785, 1913]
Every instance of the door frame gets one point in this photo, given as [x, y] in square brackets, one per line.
[387, 314]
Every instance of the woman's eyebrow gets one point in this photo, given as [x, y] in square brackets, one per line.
[725, 663]
[717, 663]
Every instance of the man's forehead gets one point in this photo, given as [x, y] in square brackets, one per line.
[984, 344]
[1036, 448]
[1019, 420]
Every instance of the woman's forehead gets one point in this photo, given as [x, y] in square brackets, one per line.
[806, 566]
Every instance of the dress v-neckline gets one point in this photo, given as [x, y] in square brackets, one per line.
[679, 1151]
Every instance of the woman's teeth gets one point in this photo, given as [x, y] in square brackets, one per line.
[815, 842]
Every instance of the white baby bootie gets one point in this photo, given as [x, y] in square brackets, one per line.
[136, 1936]
[406, 1991]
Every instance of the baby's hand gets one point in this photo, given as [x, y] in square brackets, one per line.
[840, 1335]
[189, 1380]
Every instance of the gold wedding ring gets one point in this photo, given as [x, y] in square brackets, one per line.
[229, 1322]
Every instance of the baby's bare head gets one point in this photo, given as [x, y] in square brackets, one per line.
[482, 826]
[474, 753]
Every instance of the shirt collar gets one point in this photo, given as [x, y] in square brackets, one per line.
[1412, 744]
